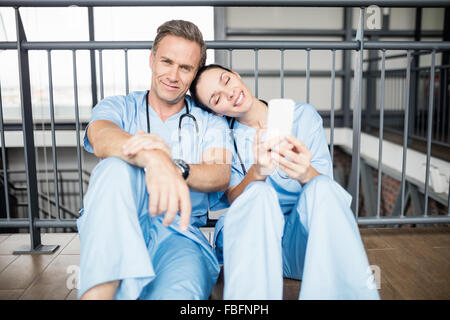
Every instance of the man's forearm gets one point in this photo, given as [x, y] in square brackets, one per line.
[209, 177]
[107, 140]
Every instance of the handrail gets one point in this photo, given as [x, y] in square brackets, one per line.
[227, 3]
[232, 44]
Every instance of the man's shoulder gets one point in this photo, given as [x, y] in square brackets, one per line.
[125, 100]
[201, 113]
[196, 109]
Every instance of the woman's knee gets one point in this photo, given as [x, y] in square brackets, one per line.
[256, 206]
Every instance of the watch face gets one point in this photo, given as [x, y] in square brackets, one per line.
[184, 167]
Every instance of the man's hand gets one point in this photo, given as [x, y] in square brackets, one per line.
[145, 141]
[168, 192]
[294, 158]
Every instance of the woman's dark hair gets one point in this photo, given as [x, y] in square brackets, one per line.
[193, 87]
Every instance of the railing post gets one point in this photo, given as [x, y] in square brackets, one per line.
[414, 82]
[35, 246]
[346, 66]
[92, 57]
[357, 107]
[371, 88]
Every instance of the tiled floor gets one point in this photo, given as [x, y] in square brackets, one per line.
[414, 264]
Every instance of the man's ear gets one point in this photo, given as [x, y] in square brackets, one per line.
[150, 62]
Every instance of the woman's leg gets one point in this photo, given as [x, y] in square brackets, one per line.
[253, 227]
[322, 244]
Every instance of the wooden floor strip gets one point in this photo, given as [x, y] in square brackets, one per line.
[414, 264]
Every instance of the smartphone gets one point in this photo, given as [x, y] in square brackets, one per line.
[280, 117]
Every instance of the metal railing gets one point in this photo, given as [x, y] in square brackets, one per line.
[34, 222]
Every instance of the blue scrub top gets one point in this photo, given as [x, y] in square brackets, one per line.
[129, 114]
[308, 128]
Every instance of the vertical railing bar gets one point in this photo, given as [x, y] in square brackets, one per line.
[448, 201]
[333, 78]
[405, 134]
[357, 123]
[380, 146]
[77, 126]
[28, 135]
[422, 131]
[231, 59]
[282, 73]
[256, 73]
[444, 103]
[92, 57]
[439, 105]
[308, 51]
[127, 84]
[5, 170]
[100, 61]
[52, 123]
[430, 125]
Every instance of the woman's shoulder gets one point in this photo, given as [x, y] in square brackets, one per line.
[307, 115]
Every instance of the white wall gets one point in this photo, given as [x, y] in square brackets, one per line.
[314, 18]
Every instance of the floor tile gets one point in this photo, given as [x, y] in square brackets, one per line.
[372, 240]
[10, 294]
[56, 282]
[22, 271]
[3, 237]
[72, 295]
[73, 247]
[6, 260]
[14, 242]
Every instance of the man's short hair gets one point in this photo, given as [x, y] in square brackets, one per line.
[183, 29]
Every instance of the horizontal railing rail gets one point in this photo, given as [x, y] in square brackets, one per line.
[227, 3]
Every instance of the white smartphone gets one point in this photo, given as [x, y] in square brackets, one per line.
[280, 117]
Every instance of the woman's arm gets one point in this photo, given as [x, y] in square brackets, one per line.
[263, 167]
[252, 175]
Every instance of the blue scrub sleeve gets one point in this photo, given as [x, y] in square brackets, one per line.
[310, 131]
[111, 109]
[320, 155]
[236, 176]
[216, 134]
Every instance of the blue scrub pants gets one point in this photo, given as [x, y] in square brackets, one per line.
[121, 241]
[317, 241]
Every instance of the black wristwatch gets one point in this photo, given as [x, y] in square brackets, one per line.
[183, 166]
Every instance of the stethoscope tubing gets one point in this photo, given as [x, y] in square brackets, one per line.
[180, 122]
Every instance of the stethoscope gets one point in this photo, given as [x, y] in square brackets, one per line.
[232, 122]
[180, 123]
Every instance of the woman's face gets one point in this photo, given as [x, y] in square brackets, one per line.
[224, 92]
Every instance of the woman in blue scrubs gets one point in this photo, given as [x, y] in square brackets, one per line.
[287, 216]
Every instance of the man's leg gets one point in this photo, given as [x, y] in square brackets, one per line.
[111, 234]
[183, 271]
[330, 255]
[103, 291]
[252, 233]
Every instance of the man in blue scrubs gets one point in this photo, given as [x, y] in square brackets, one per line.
[148, 196]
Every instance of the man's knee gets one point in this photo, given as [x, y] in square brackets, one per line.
[114, 167]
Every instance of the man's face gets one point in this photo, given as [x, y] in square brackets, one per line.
[174, 66]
